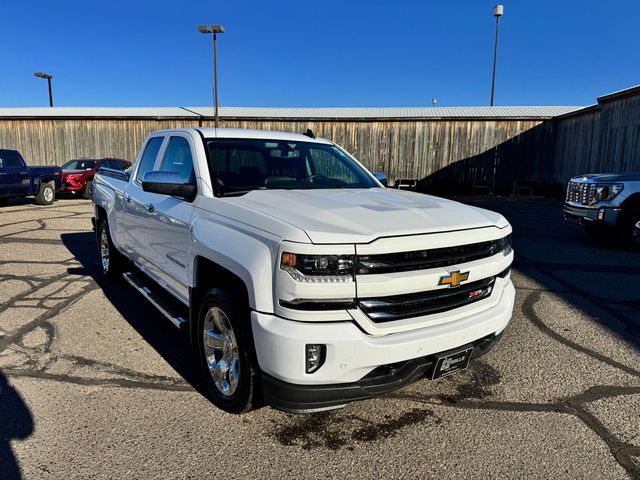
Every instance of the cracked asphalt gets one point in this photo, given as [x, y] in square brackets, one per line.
[95, 383]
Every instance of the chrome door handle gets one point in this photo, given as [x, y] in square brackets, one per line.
[149, 208]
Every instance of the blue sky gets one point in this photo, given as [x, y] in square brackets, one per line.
[320, 53]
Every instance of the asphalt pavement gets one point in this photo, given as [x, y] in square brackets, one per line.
[95, 383]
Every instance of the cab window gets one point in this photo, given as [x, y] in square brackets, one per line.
[149, 157]
[178, 159]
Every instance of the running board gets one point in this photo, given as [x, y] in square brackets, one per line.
[169, 307]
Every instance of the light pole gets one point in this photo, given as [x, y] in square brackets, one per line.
[48, 78]
[498, 11]
[215, 29]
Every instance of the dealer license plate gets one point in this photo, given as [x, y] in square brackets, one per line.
[448, 363]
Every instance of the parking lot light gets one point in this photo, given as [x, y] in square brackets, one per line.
[498, 11]
[214, 29]
[48, 78]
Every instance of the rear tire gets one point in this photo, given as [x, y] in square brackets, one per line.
[224, 343]
[88, 191]
[111, 260]
[46, 194]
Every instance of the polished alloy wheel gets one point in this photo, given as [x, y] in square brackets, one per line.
[221, 351]
[104, 250]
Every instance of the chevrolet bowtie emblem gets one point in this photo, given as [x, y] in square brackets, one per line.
[454, 279]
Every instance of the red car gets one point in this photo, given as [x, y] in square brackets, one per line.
[77, 175]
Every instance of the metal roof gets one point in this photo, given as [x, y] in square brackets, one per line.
[356, 113]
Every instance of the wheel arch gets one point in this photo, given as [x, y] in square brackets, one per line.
[207, 275]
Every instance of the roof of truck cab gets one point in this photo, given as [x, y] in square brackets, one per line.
[257, 134]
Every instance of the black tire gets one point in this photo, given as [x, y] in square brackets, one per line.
[88, 191]
[236, 351]
[630, 226]
[110, 259]
[46, 194]
[3, 201]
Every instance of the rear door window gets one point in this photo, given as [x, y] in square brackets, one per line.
[148, 159]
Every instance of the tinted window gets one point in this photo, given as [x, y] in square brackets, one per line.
[178, 159]
[80, 164]
[149, 157]
[241, 165]
[10, 159]
[119, 164]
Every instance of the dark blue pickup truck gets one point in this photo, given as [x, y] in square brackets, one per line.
[19, 180]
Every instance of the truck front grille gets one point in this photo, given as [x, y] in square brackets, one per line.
[581, 193]
[424, 259]
[397, 307]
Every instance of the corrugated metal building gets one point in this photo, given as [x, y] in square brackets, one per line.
[448, 147]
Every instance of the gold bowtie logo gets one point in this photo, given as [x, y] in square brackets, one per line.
[454, 279]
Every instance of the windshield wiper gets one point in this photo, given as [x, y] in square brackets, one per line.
[236, 193]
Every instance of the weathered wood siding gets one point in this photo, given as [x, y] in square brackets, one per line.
[400, 149]
[605, 138]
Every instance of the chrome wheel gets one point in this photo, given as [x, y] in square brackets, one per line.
[221, 351]
[104, 249]
[47, 194]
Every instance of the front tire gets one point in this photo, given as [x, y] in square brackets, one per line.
[46, 194]
[110, 259]
[631, 229]
[223, 340]
[87, 193]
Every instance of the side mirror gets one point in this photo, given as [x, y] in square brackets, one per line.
[382, 178]
[168, 183]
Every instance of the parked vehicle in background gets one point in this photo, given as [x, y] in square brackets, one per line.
[606, 205]
[77, 175]
[302, 280]
[19, 180]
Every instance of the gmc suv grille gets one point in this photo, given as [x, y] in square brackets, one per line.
[581, 193]
[423, 259]
[397, 307]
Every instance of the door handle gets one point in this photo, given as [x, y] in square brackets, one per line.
[149, 208]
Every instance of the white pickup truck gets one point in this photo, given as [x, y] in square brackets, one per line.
[303, 283]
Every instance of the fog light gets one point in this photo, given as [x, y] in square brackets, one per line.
[316, 353]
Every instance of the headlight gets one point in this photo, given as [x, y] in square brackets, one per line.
[505, 245]
[318, 268]
[606, 191]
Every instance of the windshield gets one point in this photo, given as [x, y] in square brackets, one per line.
[239, 166]
[79, 165]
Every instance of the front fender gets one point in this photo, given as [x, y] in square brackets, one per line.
[248, 253]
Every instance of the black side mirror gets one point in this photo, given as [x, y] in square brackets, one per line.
[382, 178]
[168, 183]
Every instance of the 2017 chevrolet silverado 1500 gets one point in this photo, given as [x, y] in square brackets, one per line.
[606, 205]
[19, 180]
[303, 282]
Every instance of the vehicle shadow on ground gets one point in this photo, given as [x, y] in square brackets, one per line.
[600, 279]
[170, 343]
[16, 422]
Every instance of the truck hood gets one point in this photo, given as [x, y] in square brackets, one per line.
[363, 215]
[608, 177]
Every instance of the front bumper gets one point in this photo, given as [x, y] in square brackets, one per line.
[591, 216]
[352, 355]
[73, 184]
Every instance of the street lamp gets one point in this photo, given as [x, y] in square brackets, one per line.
[215, 29]
[498, 11]
[47, 77]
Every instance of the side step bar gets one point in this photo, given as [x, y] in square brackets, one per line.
[170, 308]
